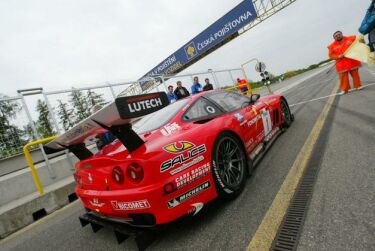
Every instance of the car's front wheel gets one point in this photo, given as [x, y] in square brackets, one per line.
[286, 113]
[229, 166]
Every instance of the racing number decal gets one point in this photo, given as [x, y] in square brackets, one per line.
[267, 124]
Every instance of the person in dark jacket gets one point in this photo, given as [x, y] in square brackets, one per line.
[180, 91]
[208, 86]
[368, 25]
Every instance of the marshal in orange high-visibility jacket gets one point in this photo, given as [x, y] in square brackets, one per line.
[344, 65]
[242, 85]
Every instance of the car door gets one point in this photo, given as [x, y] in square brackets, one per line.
[263, 118]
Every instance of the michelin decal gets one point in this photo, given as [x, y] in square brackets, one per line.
[183, 197]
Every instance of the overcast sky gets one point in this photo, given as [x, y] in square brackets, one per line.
[59, 44]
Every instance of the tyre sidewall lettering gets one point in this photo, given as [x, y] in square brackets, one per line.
[218, 178]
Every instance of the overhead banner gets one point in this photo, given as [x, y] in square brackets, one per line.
[226, 26]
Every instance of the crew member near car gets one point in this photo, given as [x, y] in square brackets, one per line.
[208, 86]
[172, 97]
[242, 85]
[180, 91]
[196, 87]
[368, 25]
[105, 138]
[344, 65]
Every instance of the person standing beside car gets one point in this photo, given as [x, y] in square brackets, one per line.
[105, 138]
[368, 25]
[242, 85]
[196, 87]
[180, 91]
[208, 86]
[171, 96]
[344, 66]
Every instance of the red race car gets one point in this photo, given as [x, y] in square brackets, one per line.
[168, 160]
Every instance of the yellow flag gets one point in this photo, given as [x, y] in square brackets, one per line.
[360, 51]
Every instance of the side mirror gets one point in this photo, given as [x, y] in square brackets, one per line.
[254, 98]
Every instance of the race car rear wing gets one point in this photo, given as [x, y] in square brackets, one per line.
[116, 117]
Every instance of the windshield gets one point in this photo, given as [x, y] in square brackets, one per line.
[157, 119]
[229, 101]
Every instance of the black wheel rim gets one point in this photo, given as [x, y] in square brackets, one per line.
[285, 112]
[230, 160]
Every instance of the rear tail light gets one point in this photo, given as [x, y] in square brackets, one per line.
[135, 173]
[118, 175]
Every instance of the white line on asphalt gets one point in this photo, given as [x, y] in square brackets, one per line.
[324, 97]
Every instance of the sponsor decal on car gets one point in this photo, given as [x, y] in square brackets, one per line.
[131, 205]
[187, 165]
[191, 193]
[168, 129]
[239, 117]
[267, 123]
[210, 109]
[254, 121]
[91, 192]
[260, 136]
[174, 148]
[243, 123]
[87, 166]
[186, 178]
[193, 175]
[271, 134]
[95, 202]
[249, 143]
[145, 104]
[266, 103]
[130, 107]
[184, 157]
[79, 130]
[196, 208]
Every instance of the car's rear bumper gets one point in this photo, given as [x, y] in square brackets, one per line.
[146, 206]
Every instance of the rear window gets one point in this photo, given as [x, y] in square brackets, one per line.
[157, 119]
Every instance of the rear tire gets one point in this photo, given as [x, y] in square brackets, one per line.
[229, 166]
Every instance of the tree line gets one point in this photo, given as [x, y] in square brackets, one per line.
[13, 137]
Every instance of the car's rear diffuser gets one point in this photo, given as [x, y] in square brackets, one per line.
[144, 237]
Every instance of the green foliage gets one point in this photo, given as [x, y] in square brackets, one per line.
[293, 73]
[94, 98]
[80, 104]
[44, 126]
[11, 137]
[28, 132]
[66, 115]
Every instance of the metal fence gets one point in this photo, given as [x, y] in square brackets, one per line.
[19, 115]
[14, 127]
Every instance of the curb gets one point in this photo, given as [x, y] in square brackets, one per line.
[34, 208]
